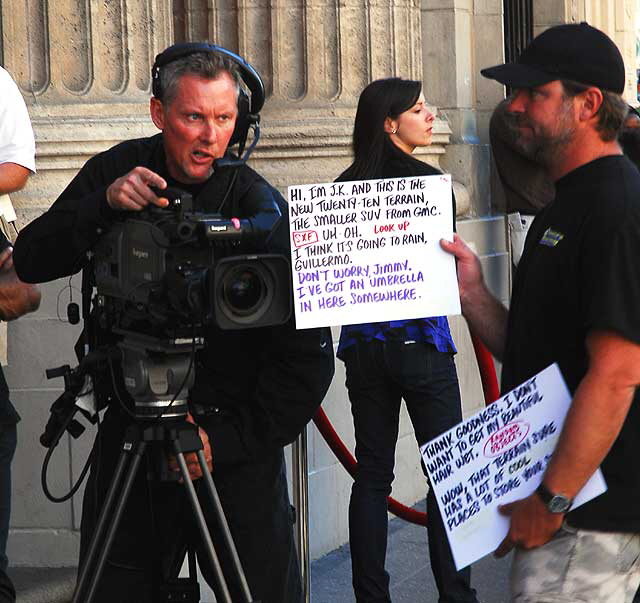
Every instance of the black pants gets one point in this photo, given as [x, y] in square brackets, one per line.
[8, 442]
[158, 522]
[7, 591]
[379, 375]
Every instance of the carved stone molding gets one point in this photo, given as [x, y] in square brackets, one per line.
[84, 69]
[78, 54]
[311, 50]
[85, 72]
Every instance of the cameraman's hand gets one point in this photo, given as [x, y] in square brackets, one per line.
[191, 458]
[16, 298]
[131, 192]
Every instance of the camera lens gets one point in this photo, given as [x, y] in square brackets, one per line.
[251, 291]
[243, 289]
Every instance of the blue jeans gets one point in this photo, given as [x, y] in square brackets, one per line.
[379, 375]
[8, 441]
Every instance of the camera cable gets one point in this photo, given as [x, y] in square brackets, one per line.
[47, 459]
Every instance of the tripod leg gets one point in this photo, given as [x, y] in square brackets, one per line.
[117, 515]
[224, 526]
[202, 524]
[102, 522]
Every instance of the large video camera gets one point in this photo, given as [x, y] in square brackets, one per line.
[165, 271]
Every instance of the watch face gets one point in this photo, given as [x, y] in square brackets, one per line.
[559, 504]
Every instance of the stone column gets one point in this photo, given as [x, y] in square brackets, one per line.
[459, 38]
[84, 69]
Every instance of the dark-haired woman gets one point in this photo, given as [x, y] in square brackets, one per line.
[390, 361]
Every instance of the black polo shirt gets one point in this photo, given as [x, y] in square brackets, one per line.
[580, 272]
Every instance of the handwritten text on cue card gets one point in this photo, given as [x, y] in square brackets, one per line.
[369, 251]
[497, 456]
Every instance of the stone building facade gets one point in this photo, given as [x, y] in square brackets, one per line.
[84, 69]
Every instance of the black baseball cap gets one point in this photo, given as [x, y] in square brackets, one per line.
[574, 51]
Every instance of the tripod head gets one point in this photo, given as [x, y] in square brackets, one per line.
[158, 374]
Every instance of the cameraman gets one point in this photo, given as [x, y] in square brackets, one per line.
[258, 387]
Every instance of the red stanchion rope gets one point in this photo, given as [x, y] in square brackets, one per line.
[487, 370]
[491, 392]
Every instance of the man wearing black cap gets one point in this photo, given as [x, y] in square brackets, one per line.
[575, 302]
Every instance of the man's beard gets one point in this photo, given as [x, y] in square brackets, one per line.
[544, 146]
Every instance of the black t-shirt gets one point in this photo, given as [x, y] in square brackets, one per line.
[580, 273]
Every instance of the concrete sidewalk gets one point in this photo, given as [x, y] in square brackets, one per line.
[407, 562]
[43, 585]
[409, 568]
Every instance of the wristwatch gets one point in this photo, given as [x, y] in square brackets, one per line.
[555, 503]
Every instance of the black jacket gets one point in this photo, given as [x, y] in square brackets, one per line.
[265, 384]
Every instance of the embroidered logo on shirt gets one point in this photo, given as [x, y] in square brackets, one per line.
[551, 237]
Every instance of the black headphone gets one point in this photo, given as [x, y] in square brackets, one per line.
[248, 108]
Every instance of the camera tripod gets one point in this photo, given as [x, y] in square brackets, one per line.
[183, 438]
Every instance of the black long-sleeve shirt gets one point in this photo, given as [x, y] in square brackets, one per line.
[264, 383]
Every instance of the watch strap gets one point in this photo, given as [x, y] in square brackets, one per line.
[555, 503]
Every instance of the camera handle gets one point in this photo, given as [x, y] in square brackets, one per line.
[184, 438]
[62, 411]
[65, 406]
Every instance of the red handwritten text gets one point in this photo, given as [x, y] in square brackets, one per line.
[302, 238]
[507, 437]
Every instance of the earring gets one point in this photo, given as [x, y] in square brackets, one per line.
[394, 130]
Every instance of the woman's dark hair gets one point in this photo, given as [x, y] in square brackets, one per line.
[371, 144]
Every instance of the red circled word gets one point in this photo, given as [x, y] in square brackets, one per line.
[509, 436]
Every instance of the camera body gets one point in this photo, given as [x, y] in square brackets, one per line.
[164, 272]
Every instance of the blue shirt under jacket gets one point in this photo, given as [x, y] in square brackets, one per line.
[424, 330]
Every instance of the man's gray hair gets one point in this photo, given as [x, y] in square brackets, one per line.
[208, 65]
